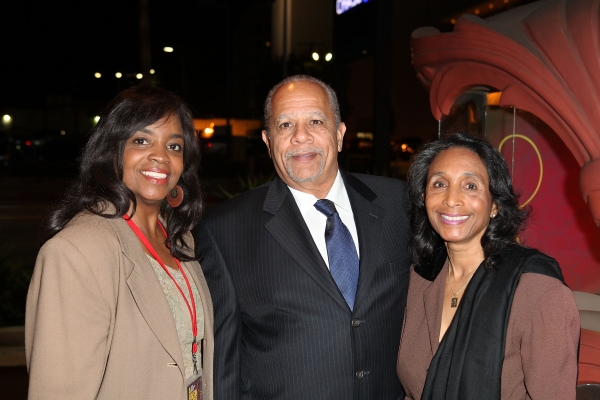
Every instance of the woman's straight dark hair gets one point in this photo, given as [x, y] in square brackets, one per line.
[100, 181]
[502, 230]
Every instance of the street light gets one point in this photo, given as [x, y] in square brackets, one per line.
[139, 76]
[152, 72]
[315, 56]
[6, 120]
[328, 57]
[98, 75]
[119, 75]
[180, 59]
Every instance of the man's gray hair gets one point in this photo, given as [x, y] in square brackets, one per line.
[333, 101]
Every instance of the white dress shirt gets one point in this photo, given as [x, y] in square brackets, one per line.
[316, 221]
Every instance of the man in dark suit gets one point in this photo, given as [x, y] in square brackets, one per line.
[286, 327]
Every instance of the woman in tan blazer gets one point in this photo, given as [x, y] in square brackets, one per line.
[486, 318]
[116, 290]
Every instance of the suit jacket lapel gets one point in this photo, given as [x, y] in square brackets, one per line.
[368, 218]
[289, 230]
[148, 293]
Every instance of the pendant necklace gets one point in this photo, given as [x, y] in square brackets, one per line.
[454, 302]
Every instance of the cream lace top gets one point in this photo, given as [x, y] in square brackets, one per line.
[180, 312]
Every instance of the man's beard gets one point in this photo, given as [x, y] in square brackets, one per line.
[290, 172]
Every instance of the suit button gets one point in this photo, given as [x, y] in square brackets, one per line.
[360, 374]
[355, 322]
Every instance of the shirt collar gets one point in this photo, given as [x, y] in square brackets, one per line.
[337, 194]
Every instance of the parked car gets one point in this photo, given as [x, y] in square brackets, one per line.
[39, 151]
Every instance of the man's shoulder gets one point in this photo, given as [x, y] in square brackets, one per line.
[382, 186]
[248, 202]
[378, 180]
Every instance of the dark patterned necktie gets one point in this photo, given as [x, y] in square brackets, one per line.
[343, 258]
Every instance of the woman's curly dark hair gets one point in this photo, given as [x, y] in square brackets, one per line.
[100, 180]
[502, 229]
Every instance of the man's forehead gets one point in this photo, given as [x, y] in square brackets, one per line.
[300, 113]
[300, 99]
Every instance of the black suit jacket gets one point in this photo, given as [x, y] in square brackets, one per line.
[282, 327]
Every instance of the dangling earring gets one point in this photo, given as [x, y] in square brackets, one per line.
[175, 196]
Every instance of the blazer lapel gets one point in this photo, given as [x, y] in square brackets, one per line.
[147, 292]
[209, 338]
[433, 298]
[368, 218]
[289, 230]
[206, 301]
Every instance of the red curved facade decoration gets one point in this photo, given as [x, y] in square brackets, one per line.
[544, 57]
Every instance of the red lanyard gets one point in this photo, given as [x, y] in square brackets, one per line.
[192, 308]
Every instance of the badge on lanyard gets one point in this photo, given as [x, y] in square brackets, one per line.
[194, 383]
[194, 387]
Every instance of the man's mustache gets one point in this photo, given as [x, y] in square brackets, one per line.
[294, 153]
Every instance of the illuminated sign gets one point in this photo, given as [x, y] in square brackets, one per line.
[341, 6]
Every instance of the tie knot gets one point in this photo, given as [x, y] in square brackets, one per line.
[326, 207]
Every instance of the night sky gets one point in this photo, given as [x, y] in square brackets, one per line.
[55, 47]
[52, 47]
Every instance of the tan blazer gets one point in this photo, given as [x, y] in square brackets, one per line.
[98, 325]
[540, 359]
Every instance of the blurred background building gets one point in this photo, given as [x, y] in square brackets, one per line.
[63, 62]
